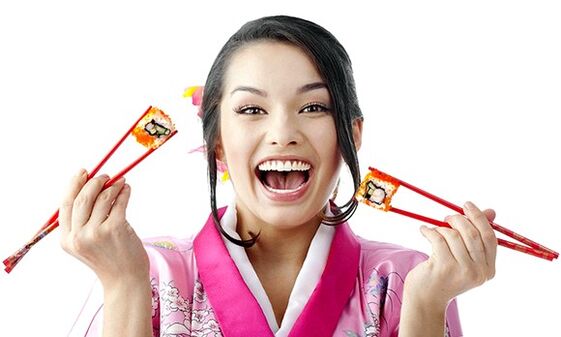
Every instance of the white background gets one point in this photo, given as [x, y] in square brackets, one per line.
[461, 99]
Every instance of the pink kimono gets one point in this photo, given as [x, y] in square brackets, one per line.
[347, 287]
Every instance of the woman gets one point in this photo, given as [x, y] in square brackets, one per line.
[280, 110]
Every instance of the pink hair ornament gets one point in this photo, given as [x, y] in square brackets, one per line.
[196, 94]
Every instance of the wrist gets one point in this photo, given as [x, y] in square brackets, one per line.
[126, 286]
[421, 318]
[421, 300]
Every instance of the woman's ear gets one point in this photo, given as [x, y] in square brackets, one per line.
[219, 151]
[357, 132]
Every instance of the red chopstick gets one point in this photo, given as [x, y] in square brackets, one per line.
[536, 246]
[52, 223]
[50, 227]
[524, 249]
[100, 164]
[109, 183]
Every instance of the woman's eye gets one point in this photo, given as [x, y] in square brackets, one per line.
[315, 108]
[255, 110]
[248, 110]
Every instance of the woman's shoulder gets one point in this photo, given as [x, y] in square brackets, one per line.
[167, 244]
[170, 257]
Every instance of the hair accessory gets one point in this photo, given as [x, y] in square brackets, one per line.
[196, 94]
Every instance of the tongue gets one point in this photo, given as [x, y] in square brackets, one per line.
[284, 180]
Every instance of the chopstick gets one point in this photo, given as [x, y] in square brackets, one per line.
[529, 250]
[495, 226]
[534, 249]
[52, 223]
[100, 164]
[107, 184]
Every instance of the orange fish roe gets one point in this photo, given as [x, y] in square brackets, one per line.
[377, 189]
[154, 128]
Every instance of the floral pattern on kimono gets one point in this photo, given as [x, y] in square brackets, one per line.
[197, 291]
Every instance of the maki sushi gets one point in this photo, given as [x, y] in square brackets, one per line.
[153, 129]
[377, 189]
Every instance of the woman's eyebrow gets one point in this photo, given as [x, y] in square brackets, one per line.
[301, 90]
[310, 87]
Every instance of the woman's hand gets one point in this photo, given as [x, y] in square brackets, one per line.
[463, 258]
[95, 230]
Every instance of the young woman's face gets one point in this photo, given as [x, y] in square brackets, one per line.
[277, 134]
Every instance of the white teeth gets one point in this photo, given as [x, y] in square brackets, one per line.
[284, 165]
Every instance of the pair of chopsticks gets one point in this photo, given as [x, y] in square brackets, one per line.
[52, 223]
[533, 248]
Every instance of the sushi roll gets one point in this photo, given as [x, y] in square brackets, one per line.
[153, 130]
[377, 189]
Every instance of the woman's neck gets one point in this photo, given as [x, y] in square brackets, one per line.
[278, 246]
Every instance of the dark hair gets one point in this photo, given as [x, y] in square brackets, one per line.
[334, 66]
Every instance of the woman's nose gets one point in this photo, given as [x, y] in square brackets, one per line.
[283, 130]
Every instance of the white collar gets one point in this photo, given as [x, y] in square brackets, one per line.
[305, 283]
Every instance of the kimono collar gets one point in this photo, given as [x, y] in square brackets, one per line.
[239, 312]
[308, 276]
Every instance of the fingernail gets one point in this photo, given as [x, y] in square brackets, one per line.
[104, 176]
[80, 172]
[469, 205]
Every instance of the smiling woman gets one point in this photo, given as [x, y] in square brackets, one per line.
[284, 117]
[327, 75]
[280, 110]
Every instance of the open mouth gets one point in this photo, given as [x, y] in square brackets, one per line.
[283, 176]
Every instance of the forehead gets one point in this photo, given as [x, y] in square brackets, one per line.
[270, 65]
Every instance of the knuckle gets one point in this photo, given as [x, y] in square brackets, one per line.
[472, 234]
[453, 219]
[105, 196]
[82, 199]
[489, 236]
[470, 275]
[100, 180]
[481, 218]
[454, 234]
[83, 241]
[478, 277]
[439, 239]
[78, 245]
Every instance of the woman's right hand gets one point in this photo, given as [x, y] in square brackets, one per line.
[96, 232]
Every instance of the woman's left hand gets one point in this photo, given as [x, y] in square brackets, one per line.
[463, 258]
